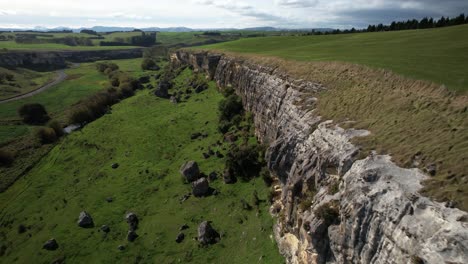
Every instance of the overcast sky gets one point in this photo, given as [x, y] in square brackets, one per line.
[220, 13]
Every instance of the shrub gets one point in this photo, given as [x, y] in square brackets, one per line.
[148, 64]
[6, 158]
[266, 176]
[81, 115]
[102, 66]
[115, 81]
[126, 90]
[230, 107]
[242, 161]
[57, 127]
[46, 135]
[328, 212]
[33, 114]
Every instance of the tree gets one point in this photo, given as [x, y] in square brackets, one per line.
[88, 31]
[33, 114]
[148, 64]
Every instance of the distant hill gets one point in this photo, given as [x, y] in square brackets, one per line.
[168, 29]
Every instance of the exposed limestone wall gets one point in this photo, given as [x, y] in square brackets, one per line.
[334, 208]
[58, 59]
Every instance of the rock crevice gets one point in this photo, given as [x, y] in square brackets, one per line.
[334, 208]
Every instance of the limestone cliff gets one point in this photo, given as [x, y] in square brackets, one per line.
[58, 59]
[333, 207]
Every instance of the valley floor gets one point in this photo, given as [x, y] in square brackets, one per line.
[149, 138]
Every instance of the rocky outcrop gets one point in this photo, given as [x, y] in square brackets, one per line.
[333, 207]
[59, 59]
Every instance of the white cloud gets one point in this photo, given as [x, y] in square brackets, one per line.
[221, 13]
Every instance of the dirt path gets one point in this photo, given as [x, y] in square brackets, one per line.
[61, 76]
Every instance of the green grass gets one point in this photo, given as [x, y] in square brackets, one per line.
[438, 55]
[81, 81]
[24, 81]
[150, 138]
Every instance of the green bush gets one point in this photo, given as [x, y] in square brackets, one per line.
[126, 90]
[148, 64]
[6, 158]
[81, 115]
[103, 66]
[243, 162]
[230, 107]
[57, 127]
[328, 212]
[33, 114]
[46, 135]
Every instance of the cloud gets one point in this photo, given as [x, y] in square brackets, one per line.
[7, 12]
[297, 3]
[130, 16]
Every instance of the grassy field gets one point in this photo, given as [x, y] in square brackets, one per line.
[438, 55]
[150, 138]
[24, 81]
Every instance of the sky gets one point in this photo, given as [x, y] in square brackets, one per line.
[220, 13]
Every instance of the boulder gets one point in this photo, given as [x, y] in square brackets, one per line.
[115, 165]
[163, 89]
[213, 176]
[51, 244]
[105, 229]
[206, 155]
[180, 237]
[121, 247]
[132, 221]
[174, 100]
[190, 171]
[207, 234]
[131, 235]
[195, 135]
[144, 79]
[229, 178]
[85, 220]
[184, 227]
[200, 187]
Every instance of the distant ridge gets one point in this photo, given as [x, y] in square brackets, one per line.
[168, 29]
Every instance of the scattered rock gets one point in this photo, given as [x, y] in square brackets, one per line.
[109, 199]
[187, 97]
[207, 234]
[195, 135]
[85, 220]
[246, 205]
[21, 229]
[121, 247]
[219, 155]
[200, 88]
[115, 165]
[204, 135]
[149, 86]
[183, 227]
[431, 169]
[185, 198]
[200, 187]
[162, 89]
[230, 137]
[144, 79]
[174, 100]
[132, 221]
[51, 244]
[206, 155]
[190, 171]
[213, 176]
[131, 235]
[180, 237]
[105, 229]
[229, 178]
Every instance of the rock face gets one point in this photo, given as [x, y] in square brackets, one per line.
[206, 234]
[200, 187]
[378, 215]
[190, 171]
[58, 59]
[163, 89]
[85, 220]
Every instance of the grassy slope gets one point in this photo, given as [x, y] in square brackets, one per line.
[27, 80]
[150, 138]
[438, 55]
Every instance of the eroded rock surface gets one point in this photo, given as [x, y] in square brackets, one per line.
[332, 207]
